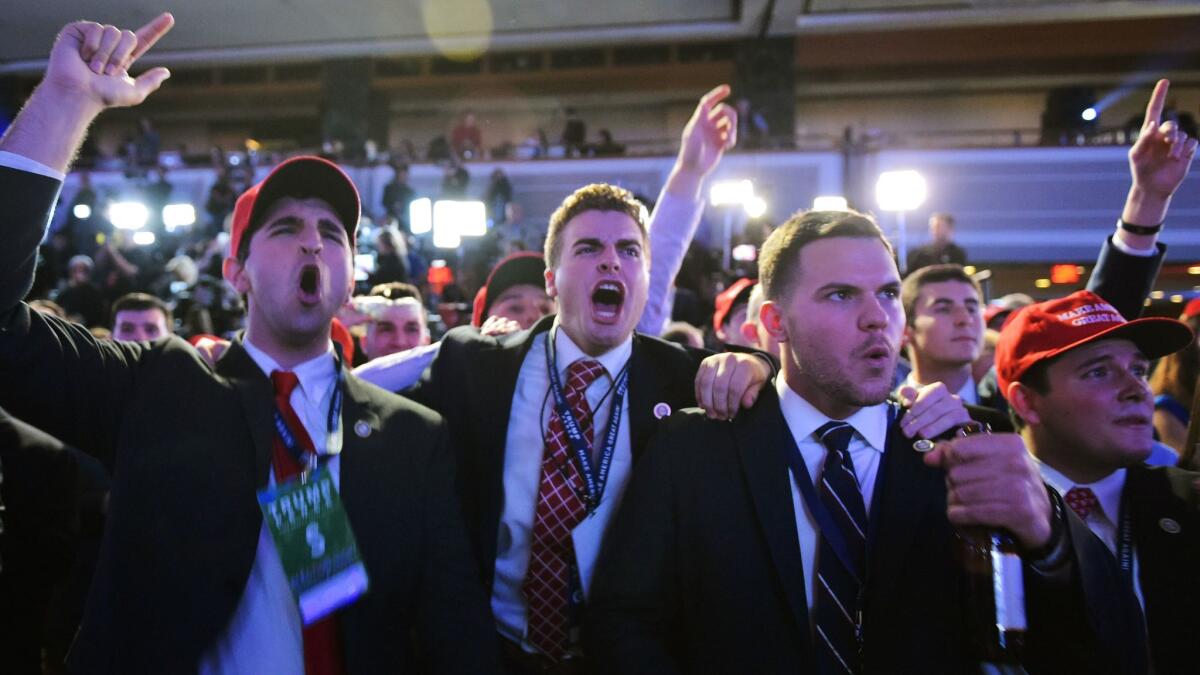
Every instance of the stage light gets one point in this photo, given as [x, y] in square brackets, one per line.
[128, 215]
[1177, 298]
[1156, 295]
[728, 192]
[755, 206]
[420, 216]
[469, 218]
[143, 238]
[446, 234]
[1194, 270]
[178, 215]
[1089, 115]
[900, 191]
[1042, 283]
[830, 203]
[82, 211]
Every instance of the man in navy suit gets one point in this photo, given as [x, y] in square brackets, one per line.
[808, 536]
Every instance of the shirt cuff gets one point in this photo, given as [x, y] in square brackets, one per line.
[1119, 243]
[23, 163]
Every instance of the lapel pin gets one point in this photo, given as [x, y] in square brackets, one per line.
[1170, 526]
[661, 410]
[923, 445]
[362, 429]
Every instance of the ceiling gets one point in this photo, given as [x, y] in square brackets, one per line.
[223, 31]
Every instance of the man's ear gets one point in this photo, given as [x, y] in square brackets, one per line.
[772, 320]
[234, 272]
[905, 338]
[551, 288]
[1023, 399]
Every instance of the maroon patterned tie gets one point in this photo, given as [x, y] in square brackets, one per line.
[1082, 501]
[560, 507]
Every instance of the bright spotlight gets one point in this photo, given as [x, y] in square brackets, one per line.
[900, 190]
[446, 234]
[143, 238]
[731, 192]
[468, 217]
[82, 211]
[1089, 114]
[420, 216]
[830, 203]
[755, 206]
[128, 215]
[178, 215]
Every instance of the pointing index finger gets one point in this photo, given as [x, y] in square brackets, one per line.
[1155, 107]
[713, 97]
[150, 33]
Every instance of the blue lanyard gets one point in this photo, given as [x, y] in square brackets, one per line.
[826, 526]
[1125, 540]
[595, 478]
[307, 457]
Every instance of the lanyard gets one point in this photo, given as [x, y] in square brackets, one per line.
[595, 478]
[1125, 540]
[826, 526]
[307, 457]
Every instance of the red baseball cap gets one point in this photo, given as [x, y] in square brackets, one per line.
[1191, 309]
[300, 177]
[737, 293]
[1047, 329]
[524, 267]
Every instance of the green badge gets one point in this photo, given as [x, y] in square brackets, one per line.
[318, 551]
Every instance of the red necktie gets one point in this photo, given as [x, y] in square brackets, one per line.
[322, 648]
[560, 507]
[1082, 501]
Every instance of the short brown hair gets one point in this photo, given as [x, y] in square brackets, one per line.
[394, 290]
[913, 283]
[140, 302]
[594, 197]
[779, 260]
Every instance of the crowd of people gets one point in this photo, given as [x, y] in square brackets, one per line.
[331, 482]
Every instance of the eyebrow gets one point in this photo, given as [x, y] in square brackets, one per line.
[950, 301]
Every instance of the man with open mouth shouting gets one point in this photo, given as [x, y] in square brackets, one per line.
[271, 514]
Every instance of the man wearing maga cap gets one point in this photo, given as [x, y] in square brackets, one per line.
[1074, 371]
[190, 578]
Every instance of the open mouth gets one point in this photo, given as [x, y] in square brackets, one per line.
[310, 284]
[1133, 421]
[607, 298]
[877, 354]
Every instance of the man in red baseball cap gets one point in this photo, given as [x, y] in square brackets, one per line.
[209, 565]
[1074, 371]
[729, 312]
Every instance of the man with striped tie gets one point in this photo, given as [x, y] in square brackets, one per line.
[807, 536]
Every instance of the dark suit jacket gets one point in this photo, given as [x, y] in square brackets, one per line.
[1168, 561]
[471, 383]
[701, 571]
[190, 446]
[37, 544]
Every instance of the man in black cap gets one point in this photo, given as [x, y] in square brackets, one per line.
[228, 547]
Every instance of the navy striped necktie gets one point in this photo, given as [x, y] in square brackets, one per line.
[838, 583]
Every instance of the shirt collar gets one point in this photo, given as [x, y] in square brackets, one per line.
[315, 375]
[803, 418]
[1107, 490]
[567, 352]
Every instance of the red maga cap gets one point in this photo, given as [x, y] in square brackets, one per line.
[300, 177]
[738, 292]
[1046, 329]
[523, 267]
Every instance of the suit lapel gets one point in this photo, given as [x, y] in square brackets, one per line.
[764, 439]
[905, 491]
[256, 395]
[359, 423]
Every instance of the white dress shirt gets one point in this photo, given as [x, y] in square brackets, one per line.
[532, 405]
[968, 394]
[866, 450]
[1103, 521]
[264, 634]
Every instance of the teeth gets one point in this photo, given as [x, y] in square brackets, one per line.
[607, 286]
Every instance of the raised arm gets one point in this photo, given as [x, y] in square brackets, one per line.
[87, 72]
[711, 131]
[1158, 163]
